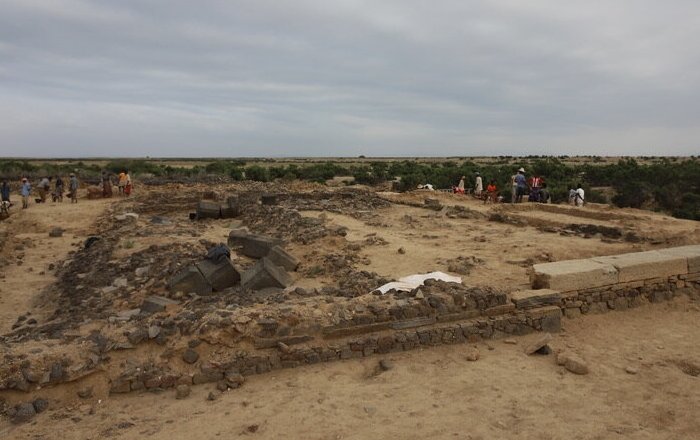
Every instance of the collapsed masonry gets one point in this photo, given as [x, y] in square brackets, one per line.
[272, 337]
[217, 273]
[566, 288]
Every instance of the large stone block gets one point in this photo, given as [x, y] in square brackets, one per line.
[208, 209]
[645, 265]
[190, 280]
[155, 303]
[237, 237]
[219, 275]
[258, 246]
[569, 275]
[527, 299]
[231, 208]
[282, 258]
[691, 253]
[265, 274]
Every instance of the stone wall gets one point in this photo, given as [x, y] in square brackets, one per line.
[617, 282]
[434, 314]
[566, 288]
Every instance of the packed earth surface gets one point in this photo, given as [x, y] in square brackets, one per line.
[99, 338]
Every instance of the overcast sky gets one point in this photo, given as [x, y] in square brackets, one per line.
[349, 77]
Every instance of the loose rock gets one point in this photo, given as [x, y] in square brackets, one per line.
[385, 365]
[473, 354]
[538, 343]
[573, 363]
[24, 412]
[40, 405]
[182, 391]
[190, 356]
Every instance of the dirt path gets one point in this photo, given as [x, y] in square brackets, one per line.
[29, 239]
[436, 393]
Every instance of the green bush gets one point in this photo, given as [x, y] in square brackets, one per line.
[257, 173]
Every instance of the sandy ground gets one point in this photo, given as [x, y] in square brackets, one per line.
[436, 393]
[22, 283]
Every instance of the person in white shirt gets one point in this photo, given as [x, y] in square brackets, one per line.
[479, 187]
[580, 195]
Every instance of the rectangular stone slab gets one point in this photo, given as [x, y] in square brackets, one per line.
[189, 280]
[208, 209]
[258, 246]
[569, 275]
[155, 303]
[236, 237]
[231, 208]
[527, 299]
[645, 265]
[691, 253]
[220, 275]
[282, 258]
[265, 274]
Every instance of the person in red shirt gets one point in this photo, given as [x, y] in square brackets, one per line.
[491, 192]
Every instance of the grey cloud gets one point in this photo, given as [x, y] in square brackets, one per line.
[313, 77]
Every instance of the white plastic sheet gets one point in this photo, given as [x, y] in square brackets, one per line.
[410, 282]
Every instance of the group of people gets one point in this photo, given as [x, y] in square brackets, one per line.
[491, 194]
[43, 188]
[535, 188]
[123, 183]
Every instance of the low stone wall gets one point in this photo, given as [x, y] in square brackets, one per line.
[616, 282]
[435, 314]
[419, 334]
[567, 288]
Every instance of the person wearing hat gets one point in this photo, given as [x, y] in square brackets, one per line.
[73, 187]
[460, 186]
[25, 190]
[521, 185]
[479, 185]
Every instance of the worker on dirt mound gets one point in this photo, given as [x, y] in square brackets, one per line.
[73, 187]
[58, 190]
[491, 193]
[128, 187]
[5, 191]
[521, 185]
[106, 185]
[44, 188]
[460, 186]
[122, 182]
[580, 195]
[478, 185]
[25, 191]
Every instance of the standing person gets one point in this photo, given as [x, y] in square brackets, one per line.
[122, 183]
[514, 188]
[460, 186]
[479, 185]
[572, 196]
[44, 187]
[545, 197]
[106, 185]
[491, 192]
[128, 187]
[25, 191]
[73, 187]
[521, 183]
[580, 195]
[5, 191]
[58, 191]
